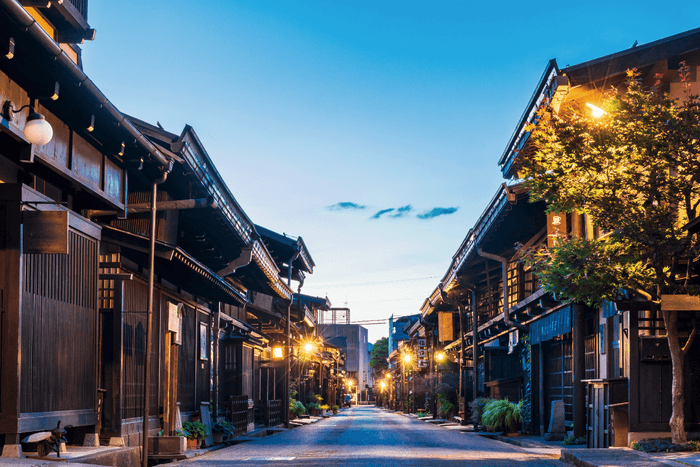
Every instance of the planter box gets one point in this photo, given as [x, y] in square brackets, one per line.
[167, 445]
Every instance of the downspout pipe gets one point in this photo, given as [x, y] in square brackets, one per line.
[475, 349]
[149, 317]
[52, 48]
[506, 308]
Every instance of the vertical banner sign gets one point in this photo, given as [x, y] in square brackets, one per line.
[422, 354]
[445, 327]
[175, 322]
[556, 228]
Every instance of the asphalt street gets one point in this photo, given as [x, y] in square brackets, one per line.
[368, 436]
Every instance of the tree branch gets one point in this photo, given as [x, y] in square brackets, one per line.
[644, 294]
[689, 342]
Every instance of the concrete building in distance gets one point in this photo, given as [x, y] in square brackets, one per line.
[352, 339]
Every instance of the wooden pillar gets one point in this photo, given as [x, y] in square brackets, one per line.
[579, 369]
[215, 361]
[634, 402]
[11, 289]
[170, 366]
[116, 390]
[543, 409]
[168, 419]
[535, 389]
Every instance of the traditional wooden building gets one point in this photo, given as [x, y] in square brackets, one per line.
[520, 341]
[76, 188]
[49, 248]
[225, 354]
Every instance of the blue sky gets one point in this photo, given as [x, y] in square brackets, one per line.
[400, 108]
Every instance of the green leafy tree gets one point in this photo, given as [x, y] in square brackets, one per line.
[380, 352]
[635, 171]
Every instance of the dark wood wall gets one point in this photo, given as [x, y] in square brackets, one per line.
[230, 382]
[558, 375]
[59, 329]
[134, 351]
[194, 375]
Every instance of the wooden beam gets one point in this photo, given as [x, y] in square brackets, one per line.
[680, 303]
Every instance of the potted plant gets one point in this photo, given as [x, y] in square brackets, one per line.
[195, 432]
[220, 430]
[503, 414]
[477, 409]
[445, 407]
[335, 409]
[323, 408]
[312, 407]
[296, 408]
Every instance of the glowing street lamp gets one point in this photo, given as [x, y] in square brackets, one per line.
[595, 111]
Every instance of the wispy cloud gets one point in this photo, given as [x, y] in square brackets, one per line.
[344, 206]
[435, 212]
[403, 211]
[381, 213]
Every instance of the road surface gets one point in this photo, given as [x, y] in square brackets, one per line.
[367, 436]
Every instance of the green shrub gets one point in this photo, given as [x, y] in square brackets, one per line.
[502, 414]
[477, 408]
[195, 430]
[223, 426]
[665, 445]
[296, 408]
[312, 406]
[445, 407]
[570, 440]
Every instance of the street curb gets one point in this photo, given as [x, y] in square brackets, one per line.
[571, 459]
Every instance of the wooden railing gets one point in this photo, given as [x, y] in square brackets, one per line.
[238, 409]
[273, 412]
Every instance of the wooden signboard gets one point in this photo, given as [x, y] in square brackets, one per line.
[206, 419]
[556, 228]
[680, 303]
[175, 321]
[45, 232]
[446, 327]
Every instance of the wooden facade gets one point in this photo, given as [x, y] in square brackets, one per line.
[49, 251]
[74, 293]
[599, 362]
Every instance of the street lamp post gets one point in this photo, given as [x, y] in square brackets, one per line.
[438, 358]
[406, 361]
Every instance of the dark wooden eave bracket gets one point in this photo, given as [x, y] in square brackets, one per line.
[243, 260]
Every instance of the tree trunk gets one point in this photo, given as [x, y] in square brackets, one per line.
[677, 423]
